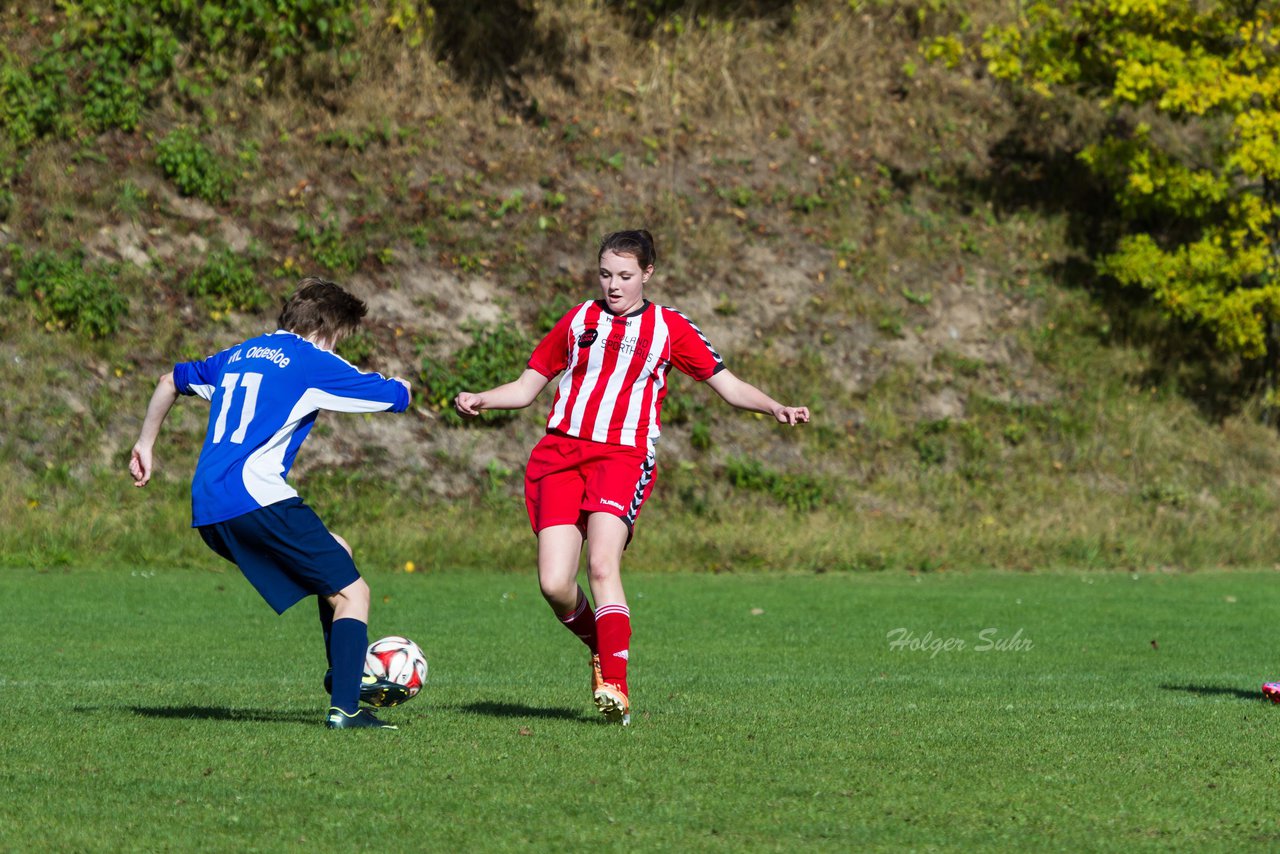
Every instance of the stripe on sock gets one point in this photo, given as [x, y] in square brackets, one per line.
[577, 612]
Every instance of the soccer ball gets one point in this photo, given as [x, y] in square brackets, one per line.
[397, 660]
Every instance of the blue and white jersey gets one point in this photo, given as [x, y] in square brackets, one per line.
[265, 395]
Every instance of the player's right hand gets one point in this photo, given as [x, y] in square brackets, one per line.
[140, 465]
[793, 415]
[467, 404]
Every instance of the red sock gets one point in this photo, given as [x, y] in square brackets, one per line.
[582, 622]
[613, 624]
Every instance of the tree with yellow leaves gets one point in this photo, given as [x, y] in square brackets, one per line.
[1191, 149]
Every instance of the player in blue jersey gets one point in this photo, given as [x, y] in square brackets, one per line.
[265, 394]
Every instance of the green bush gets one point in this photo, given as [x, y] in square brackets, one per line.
[27, 111]
[929, 438]
[272, 29]
[104, 62]
[798, 492]
[496, 354]
[227, 282]
[192, 167]
[100, 69]
[17, 102]
[125, 53]
[329, 247]
[69, 295]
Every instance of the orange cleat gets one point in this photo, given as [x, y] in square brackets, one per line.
[611, 700]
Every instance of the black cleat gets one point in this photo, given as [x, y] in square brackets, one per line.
[374, 691]
[362, 719]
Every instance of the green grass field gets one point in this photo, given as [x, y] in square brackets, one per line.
[173, 711]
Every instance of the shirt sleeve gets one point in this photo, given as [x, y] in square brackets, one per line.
[339, 386]
[551, 356]
[200, 378]
[691, 352]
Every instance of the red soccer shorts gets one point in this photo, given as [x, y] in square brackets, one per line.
[568, 478]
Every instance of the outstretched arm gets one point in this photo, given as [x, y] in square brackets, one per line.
[516, 394]
[162, 399]
[744, 395]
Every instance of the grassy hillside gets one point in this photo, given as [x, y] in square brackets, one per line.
[885, 241]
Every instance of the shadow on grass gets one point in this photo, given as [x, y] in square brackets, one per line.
[220, 713]
[517, 710]
[1216, 690]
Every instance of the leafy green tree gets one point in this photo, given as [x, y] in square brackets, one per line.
[1191, 147]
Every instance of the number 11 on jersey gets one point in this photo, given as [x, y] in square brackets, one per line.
[248, 405]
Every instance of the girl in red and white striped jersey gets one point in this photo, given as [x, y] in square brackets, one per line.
[589, 475]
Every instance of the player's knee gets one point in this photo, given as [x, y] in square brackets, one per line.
[603, 569]
[355, 594]
[559, 594]
[345, 545]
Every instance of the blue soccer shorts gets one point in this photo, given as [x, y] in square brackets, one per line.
[285, 551]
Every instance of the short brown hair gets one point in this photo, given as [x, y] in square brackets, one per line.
[322, 308]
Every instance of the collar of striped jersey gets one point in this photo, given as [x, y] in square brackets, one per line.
[644, 306]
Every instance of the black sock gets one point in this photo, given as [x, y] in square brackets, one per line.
[350, 642]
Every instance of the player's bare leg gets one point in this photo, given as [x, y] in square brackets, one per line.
[559, 553]
[559, 550]
[351, 602]
[606, 538]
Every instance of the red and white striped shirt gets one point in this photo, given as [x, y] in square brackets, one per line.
[615, 369]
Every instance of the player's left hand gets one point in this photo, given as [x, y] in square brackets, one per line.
[792, 415]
